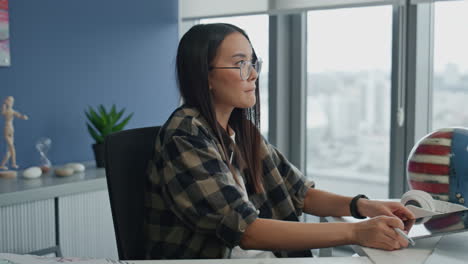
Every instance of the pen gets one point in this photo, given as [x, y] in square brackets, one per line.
[403, 234]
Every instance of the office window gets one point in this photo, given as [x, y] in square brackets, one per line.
[450, 76]
[348, 99]
[256, 27]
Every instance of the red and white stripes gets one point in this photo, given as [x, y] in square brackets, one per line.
[429, 164]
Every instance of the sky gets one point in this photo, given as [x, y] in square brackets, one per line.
[451, 35]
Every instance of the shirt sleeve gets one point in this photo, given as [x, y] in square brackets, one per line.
[202, 191]
[296, 183]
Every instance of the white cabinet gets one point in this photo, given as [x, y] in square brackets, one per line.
[73, 212]
[85, 226]
[27, 227]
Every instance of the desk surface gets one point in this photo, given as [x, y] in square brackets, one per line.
[416, 254]
[31, 259]
[21, 190]
[336, 260]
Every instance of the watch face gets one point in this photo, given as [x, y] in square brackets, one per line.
[437, 225]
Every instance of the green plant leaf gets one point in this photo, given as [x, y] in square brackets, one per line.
[113, 114]
[104, 115]
[102, 110]
[106, 131]
[98, 138]
[88, 116]
[96, 120]
[122, 124]
[102, 122]
[119, 115]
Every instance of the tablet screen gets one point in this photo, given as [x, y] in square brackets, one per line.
[437, 225]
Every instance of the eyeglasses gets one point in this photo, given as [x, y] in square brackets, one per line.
[245, 68]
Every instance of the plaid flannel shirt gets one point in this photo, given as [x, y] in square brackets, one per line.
[195, 209]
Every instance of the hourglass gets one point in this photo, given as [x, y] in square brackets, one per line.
[43, 146]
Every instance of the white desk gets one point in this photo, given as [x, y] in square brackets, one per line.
[31, 259]
[417, 254]
[338, 260]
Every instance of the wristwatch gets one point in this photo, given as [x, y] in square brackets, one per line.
[353, 206]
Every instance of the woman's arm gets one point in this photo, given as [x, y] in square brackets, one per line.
[322, 203]
[270, 234]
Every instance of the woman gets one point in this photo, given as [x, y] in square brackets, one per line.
[217, 188]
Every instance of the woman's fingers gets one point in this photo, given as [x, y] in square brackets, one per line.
[403, 212]
[387, 243]
[391, 237]
[379, 232]
[394, 222]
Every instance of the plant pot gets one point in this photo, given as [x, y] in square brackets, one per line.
[99, 155]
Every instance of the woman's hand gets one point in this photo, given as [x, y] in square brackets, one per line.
[379, 233]
[373, 208]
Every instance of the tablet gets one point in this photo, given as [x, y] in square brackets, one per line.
[437, 225]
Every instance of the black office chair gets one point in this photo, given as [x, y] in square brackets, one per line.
[127, 155]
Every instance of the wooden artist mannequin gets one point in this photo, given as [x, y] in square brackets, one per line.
[9, 114]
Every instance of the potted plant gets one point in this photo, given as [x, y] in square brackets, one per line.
[101, 123]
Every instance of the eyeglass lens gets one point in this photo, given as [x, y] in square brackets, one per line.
[246, 68]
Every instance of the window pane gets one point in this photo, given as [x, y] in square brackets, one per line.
[348, 101]
[256, 27]
[450, 83]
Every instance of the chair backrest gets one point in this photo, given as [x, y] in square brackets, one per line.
[127, 155]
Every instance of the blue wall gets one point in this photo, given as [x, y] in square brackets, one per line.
[67, 54]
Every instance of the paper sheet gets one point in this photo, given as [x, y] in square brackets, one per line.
[415, 254]
[451, 249]
[419, 212]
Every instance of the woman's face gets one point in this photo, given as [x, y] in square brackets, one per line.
[226, 85]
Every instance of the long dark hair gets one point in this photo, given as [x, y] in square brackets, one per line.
[196, 51]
